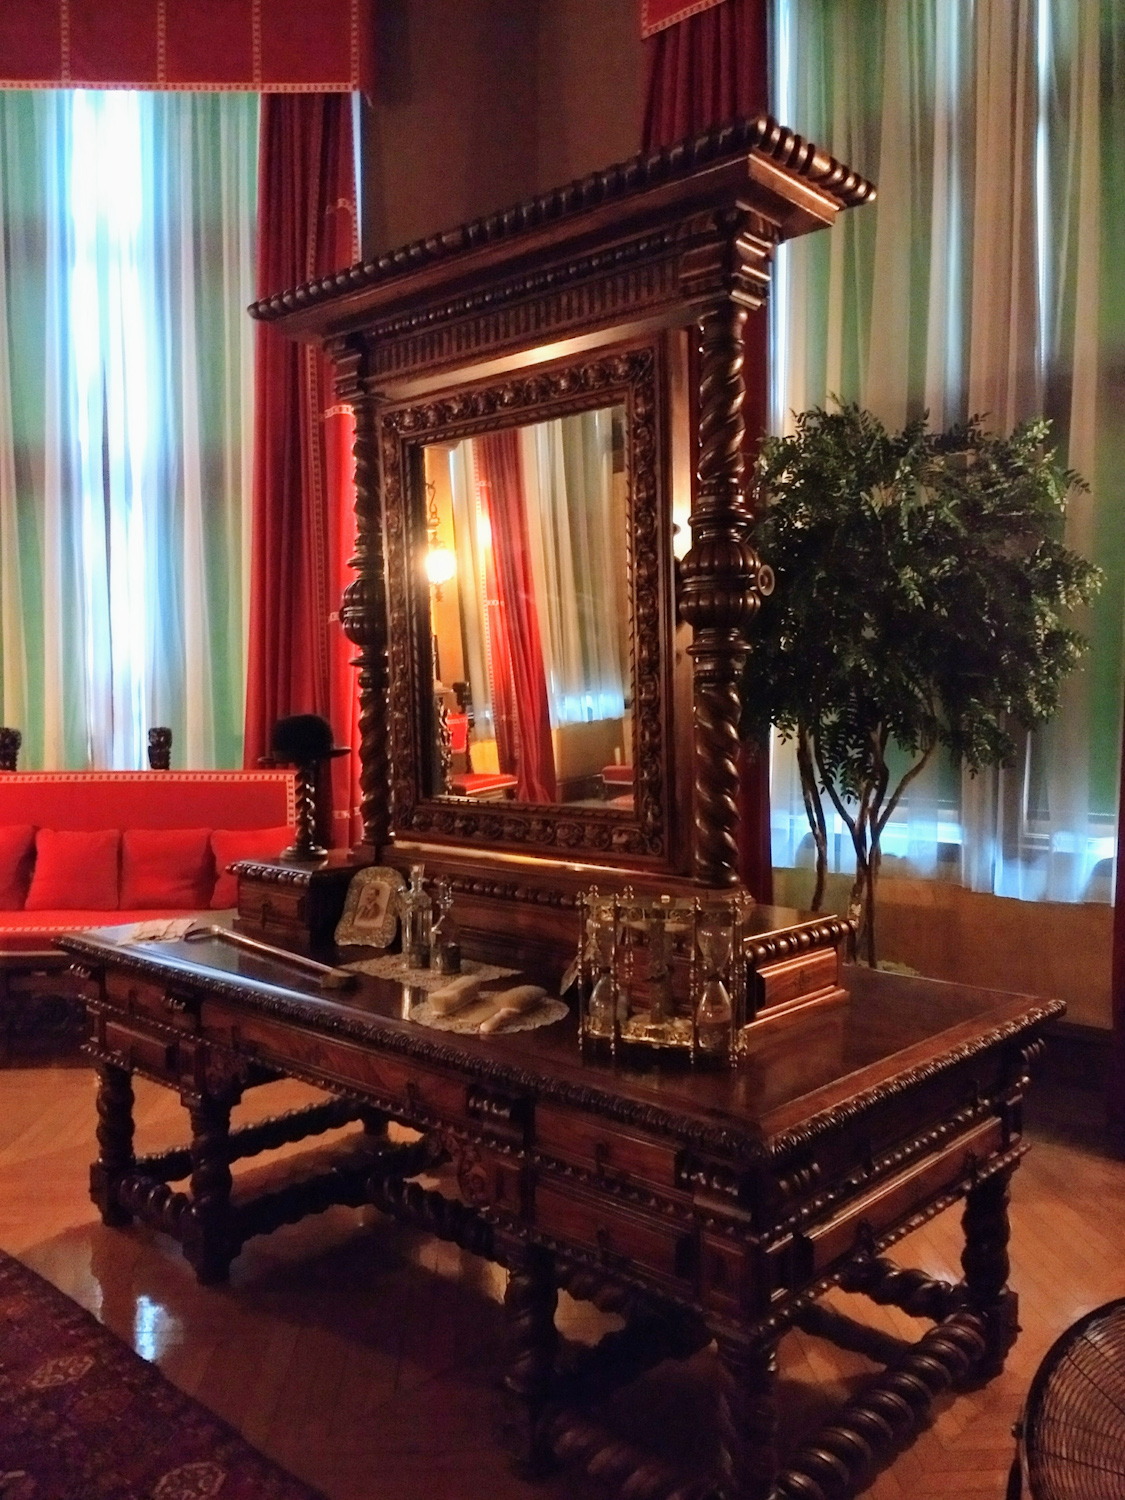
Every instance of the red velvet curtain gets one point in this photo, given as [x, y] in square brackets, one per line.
[302, 511]
[703, 71]
[500, 484]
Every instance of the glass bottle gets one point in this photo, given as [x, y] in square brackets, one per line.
[445, 940]
[417, 920]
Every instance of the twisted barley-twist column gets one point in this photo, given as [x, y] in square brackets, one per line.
[985, 1263]
[835, 1463]
[364, 619]
[115, 1142]
[576, 1439]
[208, 1241]
[747, 1418]
[718, 595]
[915, 1292]
[529, 1303]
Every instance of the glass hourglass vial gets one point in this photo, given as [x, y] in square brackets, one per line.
[659, 975]
[715, 938]
[600, 949]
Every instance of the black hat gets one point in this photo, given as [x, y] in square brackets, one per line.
[304, 738]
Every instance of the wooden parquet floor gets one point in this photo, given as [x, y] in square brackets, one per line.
[364, 1358]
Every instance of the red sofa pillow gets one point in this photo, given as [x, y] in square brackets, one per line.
[230, 844]
[75, 870]
[17, 853]
[166, 867]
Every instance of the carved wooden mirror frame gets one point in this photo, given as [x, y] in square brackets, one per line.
[633, 377]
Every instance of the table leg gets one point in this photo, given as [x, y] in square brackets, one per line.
[115, 1142]
[530, 1302]
[209, 1244]
[985, 1263]
[747, 1414]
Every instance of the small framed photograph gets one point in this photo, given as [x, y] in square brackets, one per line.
[371, 908]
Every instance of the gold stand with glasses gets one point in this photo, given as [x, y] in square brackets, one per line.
[691, 975]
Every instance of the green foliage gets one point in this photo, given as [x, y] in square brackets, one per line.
[922, 595]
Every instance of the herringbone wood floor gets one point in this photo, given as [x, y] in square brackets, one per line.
[364, 1358]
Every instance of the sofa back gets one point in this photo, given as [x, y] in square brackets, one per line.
[148, 799]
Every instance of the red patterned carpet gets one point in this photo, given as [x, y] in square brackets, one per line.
[84, 1418]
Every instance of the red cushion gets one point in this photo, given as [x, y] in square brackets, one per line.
[166, 867]
[34, 931]
[17, 852]
[75, 868]
[230, 844]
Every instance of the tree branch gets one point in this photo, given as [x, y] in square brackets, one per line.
[915, 770]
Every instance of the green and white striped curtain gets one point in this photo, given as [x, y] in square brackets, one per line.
[126, 390]
[987, 278]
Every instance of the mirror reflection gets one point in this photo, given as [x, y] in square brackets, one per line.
[526, 558]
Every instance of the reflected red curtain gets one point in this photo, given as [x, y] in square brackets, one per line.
[496, 456]
[302, 507]
[703, 71]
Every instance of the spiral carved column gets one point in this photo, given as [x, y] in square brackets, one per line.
[719, 588]
[115, 1143]
[530, 1302]
[747, 1416]
[363, 613]
[208, 1241]
[985, 1263]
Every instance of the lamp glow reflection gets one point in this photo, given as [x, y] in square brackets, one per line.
[441, 565]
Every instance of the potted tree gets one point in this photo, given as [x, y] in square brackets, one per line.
[922, 598]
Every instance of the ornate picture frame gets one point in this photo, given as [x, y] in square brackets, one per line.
[632, 376]
[370, 915]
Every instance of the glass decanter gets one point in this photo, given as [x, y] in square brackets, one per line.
[445, 940]
[417, 921]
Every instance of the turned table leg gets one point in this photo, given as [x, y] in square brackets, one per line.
[209, 1242]
[530, 1302]
[747, 1414]
[115, 1142]
[985, 1263]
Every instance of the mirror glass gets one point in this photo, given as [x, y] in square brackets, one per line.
[527, 566]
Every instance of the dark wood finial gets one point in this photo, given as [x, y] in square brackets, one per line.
[10, 742]
[160, 748]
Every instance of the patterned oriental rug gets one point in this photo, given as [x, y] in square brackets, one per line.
[84, 1418]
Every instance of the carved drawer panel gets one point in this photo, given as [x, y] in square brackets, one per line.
[140, 997]
[270, 905]
[783, 983]
[604, 1149]
[141, 1051]
[909, 1191]
[617, 1236]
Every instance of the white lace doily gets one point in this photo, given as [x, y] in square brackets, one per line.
[546, 1013]
[393, 966]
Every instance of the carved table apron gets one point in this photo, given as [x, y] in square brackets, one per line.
[698, 1205]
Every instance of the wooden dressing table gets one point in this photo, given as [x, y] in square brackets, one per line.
[594, 331]
[698, 1204]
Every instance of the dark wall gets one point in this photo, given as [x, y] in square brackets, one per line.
[482, 102]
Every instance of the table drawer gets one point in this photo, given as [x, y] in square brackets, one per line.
[153, 1054]
[140, 997]
[270, 905]
[794, 978]
[603, 1149]
[614, 1233]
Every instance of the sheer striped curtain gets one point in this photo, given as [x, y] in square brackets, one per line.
[126, 389]
[986, 279]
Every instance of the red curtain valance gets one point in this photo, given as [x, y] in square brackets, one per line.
[656, 14]
[269, 46]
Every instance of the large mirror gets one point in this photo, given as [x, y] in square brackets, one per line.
[526, 559]
[530, 569]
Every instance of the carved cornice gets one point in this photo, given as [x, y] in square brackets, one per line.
[763, 136]
[630, 377]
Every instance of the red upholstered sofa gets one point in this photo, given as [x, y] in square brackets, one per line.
[93, 848]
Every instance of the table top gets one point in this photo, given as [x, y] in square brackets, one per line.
[890, 1035]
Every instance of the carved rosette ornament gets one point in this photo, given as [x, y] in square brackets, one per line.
[363, 610]
[722, 578]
